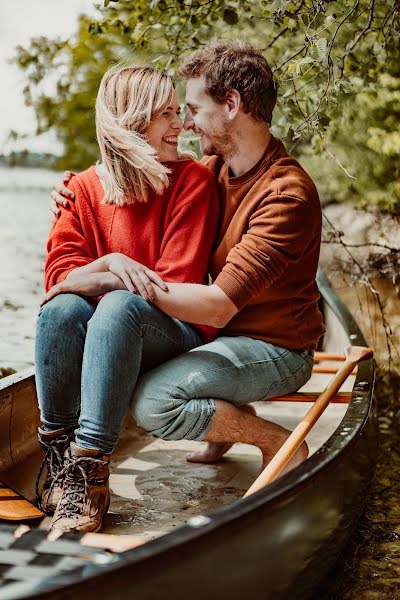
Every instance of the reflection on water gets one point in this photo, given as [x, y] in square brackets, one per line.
[24, 225]
[370, 566]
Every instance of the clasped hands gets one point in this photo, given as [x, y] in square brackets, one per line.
[114, 271]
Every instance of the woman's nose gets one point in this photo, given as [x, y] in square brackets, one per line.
[177, 124]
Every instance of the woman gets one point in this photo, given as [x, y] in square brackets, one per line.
[142, 218]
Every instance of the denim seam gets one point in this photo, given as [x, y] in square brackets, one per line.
[283, 381]
[274, 385]
[185, 381]
[253, 362]
[169, 338]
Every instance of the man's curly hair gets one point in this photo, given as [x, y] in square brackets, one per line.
[230, 64]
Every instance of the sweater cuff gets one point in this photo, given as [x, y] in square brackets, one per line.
[234, 289]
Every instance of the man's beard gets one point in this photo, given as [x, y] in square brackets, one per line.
[221, 144]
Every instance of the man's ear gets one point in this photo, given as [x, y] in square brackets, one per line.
[233, 103]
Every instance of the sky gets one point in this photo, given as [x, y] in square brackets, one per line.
[20, 20]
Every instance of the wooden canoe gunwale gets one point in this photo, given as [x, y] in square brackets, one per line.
[16, 381]
[339, 445]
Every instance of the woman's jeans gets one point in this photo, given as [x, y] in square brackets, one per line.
[176, 400]
[89, 358]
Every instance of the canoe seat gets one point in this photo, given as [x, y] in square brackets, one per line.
[321, 357]
[340, 398]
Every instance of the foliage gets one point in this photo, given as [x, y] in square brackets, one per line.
[5, 372]
[62, 81]
[336, 64]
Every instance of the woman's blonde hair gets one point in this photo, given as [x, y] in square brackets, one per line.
[127, 100]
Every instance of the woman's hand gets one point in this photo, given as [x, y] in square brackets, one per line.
[136, 277]
[92, 284]
[60, 194]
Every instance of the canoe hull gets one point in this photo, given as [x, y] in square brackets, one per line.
[278, 544]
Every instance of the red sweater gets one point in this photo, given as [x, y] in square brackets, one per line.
[172, 233]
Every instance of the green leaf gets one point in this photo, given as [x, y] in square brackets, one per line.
[280, 6]
[303, 64]
[322, 47]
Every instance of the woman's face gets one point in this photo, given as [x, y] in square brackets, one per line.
[164, 130]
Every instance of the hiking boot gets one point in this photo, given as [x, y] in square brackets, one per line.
[85, 494]
[54, 445]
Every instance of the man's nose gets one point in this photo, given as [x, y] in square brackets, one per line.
[188, 123]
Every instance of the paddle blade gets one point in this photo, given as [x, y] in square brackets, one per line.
[358, 353]
[14, 507]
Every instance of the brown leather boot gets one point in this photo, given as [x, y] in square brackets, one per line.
[54, 444]
[85, 495]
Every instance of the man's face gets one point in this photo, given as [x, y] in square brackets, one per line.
[207, 118]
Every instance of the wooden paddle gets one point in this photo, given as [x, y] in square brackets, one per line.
[355, 354]
[114, 543]
[14, 507]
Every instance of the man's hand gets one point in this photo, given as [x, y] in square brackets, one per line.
[60, 194]
[136, 277]
[92, 284]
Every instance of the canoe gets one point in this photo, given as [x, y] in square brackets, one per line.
[179, 530]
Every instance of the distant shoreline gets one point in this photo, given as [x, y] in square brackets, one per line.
[30, 160]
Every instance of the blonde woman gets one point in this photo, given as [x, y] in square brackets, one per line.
[142, 218]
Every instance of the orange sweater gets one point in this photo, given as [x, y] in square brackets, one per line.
[267, 250]
[172, 233]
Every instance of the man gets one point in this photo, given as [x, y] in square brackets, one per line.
[264, 296]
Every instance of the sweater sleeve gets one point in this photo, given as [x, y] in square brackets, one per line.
[190, 233]
[279, 232]
[68, 246]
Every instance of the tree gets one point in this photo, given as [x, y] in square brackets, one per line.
[62, 81]
[336, 64]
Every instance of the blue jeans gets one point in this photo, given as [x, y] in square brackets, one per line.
[88, 360]
[176, 400]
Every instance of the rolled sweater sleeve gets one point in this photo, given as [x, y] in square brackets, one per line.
[276, 237]
[71, 243]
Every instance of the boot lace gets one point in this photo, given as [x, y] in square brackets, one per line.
[78, 475]
[53, 459]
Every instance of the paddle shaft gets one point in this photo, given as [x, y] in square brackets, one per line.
[298, 435]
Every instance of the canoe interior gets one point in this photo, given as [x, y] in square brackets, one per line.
[153, 488]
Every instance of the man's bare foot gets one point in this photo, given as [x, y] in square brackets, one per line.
[212, 451]
[300, 455]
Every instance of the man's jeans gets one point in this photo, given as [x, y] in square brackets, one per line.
[176, 400]
[88, 360]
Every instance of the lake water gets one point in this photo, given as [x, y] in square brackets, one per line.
[24, 225]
